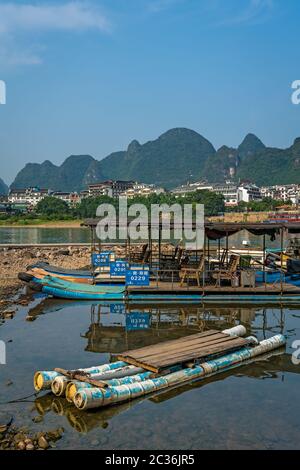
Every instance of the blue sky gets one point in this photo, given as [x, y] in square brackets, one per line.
[90, 76]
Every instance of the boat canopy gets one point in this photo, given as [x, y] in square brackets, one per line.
[219, 230]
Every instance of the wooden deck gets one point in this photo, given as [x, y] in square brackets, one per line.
[187, 350]
[162, 287]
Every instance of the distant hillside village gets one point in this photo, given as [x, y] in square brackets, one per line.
[25, 200]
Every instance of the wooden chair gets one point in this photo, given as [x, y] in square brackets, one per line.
[188, 273]
[137, 256]
[230, 273]
[170, 264]
[220, 265]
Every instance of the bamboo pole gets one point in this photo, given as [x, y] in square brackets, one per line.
[43, 379]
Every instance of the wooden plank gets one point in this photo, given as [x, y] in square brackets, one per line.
[187, 347]
[193, 347]
[77, 375]
[177, 347]
[197, 354]
[183, 359]
[159, 361]
[170, 342]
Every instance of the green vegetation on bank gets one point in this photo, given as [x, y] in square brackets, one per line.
[51, 209]
[266, 205]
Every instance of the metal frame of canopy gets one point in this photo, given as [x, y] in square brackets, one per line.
[213, 231]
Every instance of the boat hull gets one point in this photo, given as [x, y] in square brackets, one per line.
[72, 291]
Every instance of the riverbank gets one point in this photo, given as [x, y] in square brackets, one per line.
[241, 217]
[42, 224]
[231, 217]
[15, 260]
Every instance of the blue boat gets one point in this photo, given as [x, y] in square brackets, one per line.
[273, 277]
[69, 290]
[62, 289]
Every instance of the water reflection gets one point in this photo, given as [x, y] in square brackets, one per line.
[114, 327]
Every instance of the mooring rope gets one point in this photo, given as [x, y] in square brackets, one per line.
[19, 400]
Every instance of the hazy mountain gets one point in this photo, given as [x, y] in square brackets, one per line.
[272, 166]
[177, 156]
[221, 165]
[3, 188]
[250, 146]
[73, 174]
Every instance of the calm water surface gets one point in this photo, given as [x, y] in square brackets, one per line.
[253, 407]
[19, 235]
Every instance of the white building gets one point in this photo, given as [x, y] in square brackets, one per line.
[248, 193]
[229, 191]
[109, 188]
[28, 196]
[142, 189]
[191, 188]
[70, 198]
[287, 192]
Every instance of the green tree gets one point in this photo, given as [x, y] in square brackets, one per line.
[52, 207]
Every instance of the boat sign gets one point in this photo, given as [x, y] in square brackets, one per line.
[101, 259]
[138, 276]
[137, 321]
[117, 308]
[119, 268]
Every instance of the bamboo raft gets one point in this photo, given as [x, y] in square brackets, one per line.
[156, 368]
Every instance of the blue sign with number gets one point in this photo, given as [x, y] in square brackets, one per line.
[137, 321]
[118, 268]
[101, 259]
[137, 276]
[117, 308]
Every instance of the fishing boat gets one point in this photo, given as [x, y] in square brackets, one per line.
[43, 269]
[64, 289]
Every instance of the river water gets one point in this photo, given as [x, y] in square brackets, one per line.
[252, 407]
[32, 235]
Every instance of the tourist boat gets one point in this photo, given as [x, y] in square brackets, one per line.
[160, 292]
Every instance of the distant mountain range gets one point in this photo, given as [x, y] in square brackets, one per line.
[3, 188]
[177, 156]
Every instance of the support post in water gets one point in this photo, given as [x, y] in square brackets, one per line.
[2, 353]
